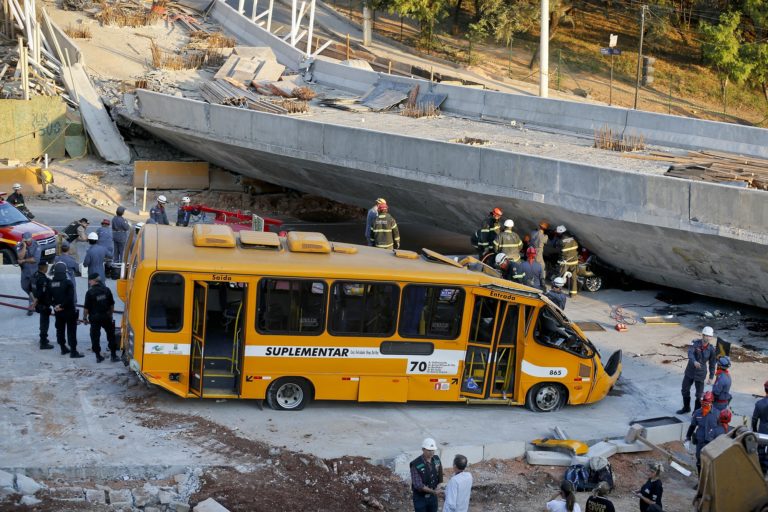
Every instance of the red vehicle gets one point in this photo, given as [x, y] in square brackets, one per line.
[13, 225]
[237, 220]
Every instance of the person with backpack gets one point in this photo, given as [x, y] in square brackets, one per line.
[651, 491]
[76, 236]
[598, 502]
[600, 471]
[565, 499]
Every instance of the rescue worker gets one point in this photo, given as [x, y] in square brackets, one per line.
[96, 256]
[722, 386]
[28, 254]
[533, 271]
[98, 308]
[184, 213]
[41, 289]
[105, 235]
[488, 232]
[556, 294]
[569, 256]
[723, 425]
[65, 310]
[157, 213]
[77, 236]
[510, 270]
[703, 420]
[701, 354]
[538, 240]
[760, 425]
[384, 232]
[426, 475]
[370, 217]
[73, 268]
[120, 228]
[17, 200]
[508, 242]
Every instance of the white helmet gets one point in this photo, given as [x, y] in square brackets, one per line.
[559, 281]
[16, 186]
[708, 331]
[501, 258]
[560, 229]
[93, 236]
[509, 223]
[162, 199]
[185, 200]
[429, 444]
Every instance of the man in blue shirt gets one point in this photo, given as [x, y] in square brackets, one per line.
[701, 355]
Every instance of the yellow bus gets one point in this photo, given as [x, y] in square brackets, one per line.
[211, 313]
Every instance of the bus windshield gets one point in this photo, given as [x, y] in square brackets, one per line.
[554, 331]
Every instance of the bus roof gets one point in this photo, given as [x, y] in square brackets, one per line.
[172, 248]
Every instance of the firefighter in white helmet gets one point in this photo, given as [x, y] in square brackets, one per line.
[157, 213]
[508, 242]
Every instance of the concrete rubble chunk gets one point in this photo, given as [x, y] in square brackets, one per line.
[120, 497]
[6, 479]
[166, 497]
[142, 498]
[29, 500]
[602, 449]
[507, 450]
[67, 494]
[95, 496]
[544, 458]
[624, 447]
[26, 485]
[209, 505]
[178, 506]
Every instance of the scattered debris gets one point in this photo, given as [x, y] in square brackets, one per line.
[605, 138]
[81, 31]
[471, 141]
[417, 110]
[303, 93]
[661, 320]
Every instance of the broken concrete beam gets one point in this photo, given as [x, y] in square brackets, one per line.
[171, 175]
[209, 505]
[255, 52]
[95, 496]
[506, 450]
[473, 453]
[624, 447]
[544, 458]
[269, 70]
[602, 449]
[26, 485]
[660, 430]
[580, 459]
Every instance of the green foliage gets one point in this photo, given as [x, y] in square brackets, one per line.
[721, 46]
[427, 12]
[757, 10]
[512, 17]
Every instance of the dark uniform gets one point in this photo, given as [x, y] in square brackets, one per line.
[760, 425]
[513, 271]
[384, 233]
[64, 306]
[509, 243]
[696, 376]
[557, 296]
[73, 269]
[569, 260]
[98, 308]
[120, 228]
[28, 257]
[425, 474]
[701, 425]
[16, 199]
[41, 290]
[488, 233]
[533, 274]
[722, 390]
[157, 215]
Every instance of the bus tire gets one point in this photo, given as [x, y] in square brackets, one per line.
[546, 397]
[288, 394]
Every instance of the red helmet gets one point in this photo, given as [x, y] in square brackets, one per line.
[383, 207]
[531, 251]
[708, 398]
[544, 225]
[725, 416]
[496, 212]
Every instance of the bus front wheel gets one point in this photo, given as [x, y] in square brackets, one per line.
[288, 394]
[546, 397]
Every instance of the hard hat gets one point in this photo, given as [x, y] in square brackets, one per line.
[708, 397]
[560, 229]
[93, 236]
[496, 212]
[724, 362]
[382, 207]
[708, 331]
[531, 251]
[726, 416]
[544, 224]
[381, 200]
[16, 186]
[429, 444]
[501, 258]
[105, 222]
[26, 236]
[162, 199]
[509, 223]
[559, 282]
[120, 210]
[185, 200]
[138, 226]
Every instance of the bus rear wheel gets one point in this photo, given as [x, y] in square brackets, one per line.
[546, 397]
[288, 394]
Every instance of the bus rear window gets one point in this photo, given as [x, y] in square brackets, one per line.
[165, 303]
[367, 309]
[291, 306]
[431, 312]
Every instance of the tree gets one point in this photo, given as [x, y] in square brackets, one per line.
[559, 14]
[426, 12]
[721, 50]
[510, 19]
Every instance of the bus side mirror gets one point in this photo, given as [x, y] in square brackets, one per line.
[122, 288]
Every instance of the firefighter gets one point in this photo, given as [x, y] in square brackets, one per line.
[17, 200]
[569, 256]
[533, 271]
[184, 213]
[488, 232]
[98, 308]
[538, 240]
[157, 214]
[722, 386]
[384, 232]
[703, 420]
[76, 234]
[510, 270]
[701, 354]
[120, 228]
[96, 256]
[426, 475]
[41, 289]
[28, 255]
[760, 425]
[65, 310]
[370, 217]
[723, 425]
[508, 242]
[556, 294]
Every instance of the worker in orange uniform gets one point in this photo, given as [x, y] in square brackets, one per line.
[384, 233]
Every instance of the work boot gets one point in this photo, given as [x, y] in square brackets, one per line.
[45, 346]
[686, 406]
[114, 358]
[30, 312]
[99, 357]
[64, 350]
[697, 405]
[75, 354]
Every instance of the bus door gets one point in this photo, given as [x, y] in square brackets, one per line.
[199, 299]
[489, 365]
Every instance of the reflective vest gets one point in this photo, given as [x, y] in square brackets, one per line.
[569, 251]
[509, 243]
[384, 232]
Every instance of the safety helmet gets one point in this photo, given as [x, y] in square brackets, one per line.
[708, 398]
[93, 236]
[500, 258]
[509, 223]
[382, 207]
[544, 225]
[531, 251]
[120, 210]
[185, 200]
[105, 222]
[724, 362]
[560, 229]
[496, 212]
[559, 281]
[708, 331]
[162, 199]
[138, 226]
[429, 444]
[725, 416]
[16, 186]
[381, 200]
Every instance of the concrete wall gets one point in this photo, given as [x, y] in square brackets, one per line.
[29, 129]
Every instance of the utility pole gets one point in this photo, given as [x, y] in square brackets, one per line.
[640, 54]
[367, 23]
[544, 51]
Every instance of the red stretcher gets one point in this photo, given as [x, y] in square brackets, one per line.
[237, 220]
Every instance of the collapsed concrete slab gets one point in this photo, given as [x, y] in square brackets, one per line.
[543, 458]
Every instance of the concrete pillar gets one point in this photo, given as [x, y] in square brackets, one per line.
[367, 23]
[544, 51]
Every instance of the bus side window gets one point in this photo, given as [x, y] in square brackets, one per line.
[165, 303]
[363, 308]
[431, 312]
[291, 306]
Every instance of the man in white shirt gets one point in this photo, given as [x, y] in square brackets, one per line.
[459, 487]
